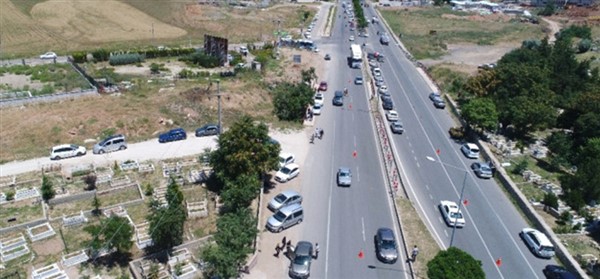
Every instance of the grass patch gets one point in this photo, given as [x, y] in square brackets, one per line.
[106, 200]
[416, 233]
[426, 32]
[580, 245]
[24, 211]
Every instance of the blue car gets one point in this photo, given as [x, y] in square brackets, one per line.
[172, 135]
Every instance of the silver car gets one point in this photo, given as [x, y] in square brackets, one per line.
[284, 198]
[385, 246]
[344, 177]
[482, 170]
[300, 264]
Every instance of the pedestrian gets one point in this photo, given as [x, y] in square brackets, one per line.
[316, 250]
[290, 249]
[415, 252]
[321, 132]
[283, 242]
[277, 250]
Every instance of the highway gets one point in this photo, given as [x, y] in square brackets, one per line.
[344, 220]
[492, 222]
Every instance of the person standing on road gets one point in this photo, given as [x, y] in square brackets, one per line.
[283, 242]
[316, 250]
[277, 250]
[415, 253]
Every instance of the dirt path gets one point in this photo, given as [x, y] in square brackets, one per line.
[554, 28]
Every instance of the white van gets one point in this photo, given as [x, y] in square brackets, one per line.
[285, 218]
[538, 243]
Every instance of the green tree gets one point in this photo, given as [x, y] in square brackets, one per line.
[454, 263]
[309, 76]
[219, 262]
[548, 10]
[113, 232]
[480, 112]
[551, 200]
[291, 99]
[241, 191]
[245, 148]
[47, 189]
[96, 205]
[582, 187]
[167, 223]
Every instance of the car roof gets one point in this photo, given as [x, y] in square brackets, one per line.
[471, 145]
[290, 193]
[449, 203]
[344, 169]
[386, 233]
[303, 248]
[288, 209]
[285, 154]
[542, 238]
[291, 166]
[64, 145]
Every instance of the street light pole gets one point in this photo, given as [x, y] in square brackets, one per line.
[462, 191]
[219, 103]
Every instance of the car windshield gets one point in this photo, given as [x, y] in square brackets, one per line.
[388, 244]
[286, 170]
[547, 248]
[279, 216]
[280, 198]
[302, 260]
[344, 174]
[485, 168]
[319, 97]
[456, 215]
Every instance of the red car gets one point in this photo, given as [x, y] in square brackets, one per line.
[323, 86]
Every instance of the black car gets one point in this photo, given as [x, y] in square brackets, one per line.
[207, 130]
[338, 98]
[172, 135]
[387, 103]
[558, 272]
[327, 57]
[385, 246]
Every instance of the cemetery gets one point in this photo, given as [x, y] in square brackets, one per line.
[123, 189]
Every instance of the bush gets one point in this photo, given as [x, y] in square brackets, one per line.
[201, 59]
[10, 195]
[90, 181]
[125, 59]
[584, 45]
[79, 56]
[101, 55]
[551, 200]
[520, 167]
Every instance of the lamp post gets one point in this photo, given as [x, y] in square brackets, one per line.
[218, 81]
[460, 199]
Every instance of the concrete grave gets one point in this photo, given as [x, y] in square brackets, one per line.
[142, 237]
[170, 169]
[129, 165]
[27, 193]
[184, 259]
[12, 248]
[40, 231]
[120, 181]
[197, 209]
[146, 168]
[74, 220]
[49, 272]
[74, 258]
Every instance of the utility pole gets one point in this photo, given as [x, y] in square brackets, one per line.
[219, 105]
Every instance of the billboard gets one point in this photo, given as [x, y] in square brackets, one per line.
[217, 47]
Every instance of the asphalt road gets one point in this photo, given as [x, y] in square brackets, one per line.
[344, 220]
[492, 222]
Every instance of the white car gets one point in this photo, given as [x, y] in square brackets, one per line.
[286, 158]
[538, 243]
[317, 109]
[376, 71]
[351, 38]
[452, 215]
[392, 115]
[48, 55]
[287, 173]
[470, 150]
[66, 151]
[319, 98]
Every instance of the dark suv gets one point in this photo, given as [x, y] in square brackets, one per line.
[385, 245]
[338, 98]
[172, 135]
[387, 103]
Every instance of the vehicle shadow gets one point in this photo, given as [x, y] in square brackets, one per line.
[268, 183]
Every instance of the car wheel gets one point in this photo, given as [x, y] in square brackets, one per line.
[280, 229]
[299, 221]
[79, 154]
[57, 158]
[101, 151]
[123, 147]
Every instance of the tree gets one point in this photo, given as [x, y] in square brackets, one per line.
[90, 181]
[113, 232]
[454, 263]
[96, 205]
[241, 191]
[551, 200]
[245, 148]
[548, 10]
[167, 223]
[582, 187]
[290, 100]
[219, 262]
[480, 112]
[308, 76]
[48, 192]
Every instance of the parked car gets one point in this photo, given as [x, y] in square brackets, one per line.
[319, 98]
[558, 272]
[376, 71]
[300, 263]
[452, 215]
[285, 198]
[110, 144]
[383, 90]
[317, 109]
[387, 103]
[323, 86]
[287, 173]
[384, 39]
[470, 150]
[327, 57]
[338, 98]
[207, 130]
[397, 127]
[172, 135]
[351, 38]
[538, 243]
[482, 170]
[285, 217]
[358, 80]
[66, 151]
[48, 55]
[286, 158]
[386, 248]
[344, 176]
[392, 115]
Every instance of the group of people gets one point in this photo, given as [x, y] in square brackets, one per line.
[289, 248]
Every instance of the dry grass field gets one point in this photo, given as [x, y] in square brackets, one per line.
[30, 27]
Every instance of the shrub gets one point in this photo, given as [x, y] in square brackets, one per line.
[101, 55]
[10, 195]
[125, 59]
[520, 167]
[551, 200]
[79, 56]
[90, 181]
